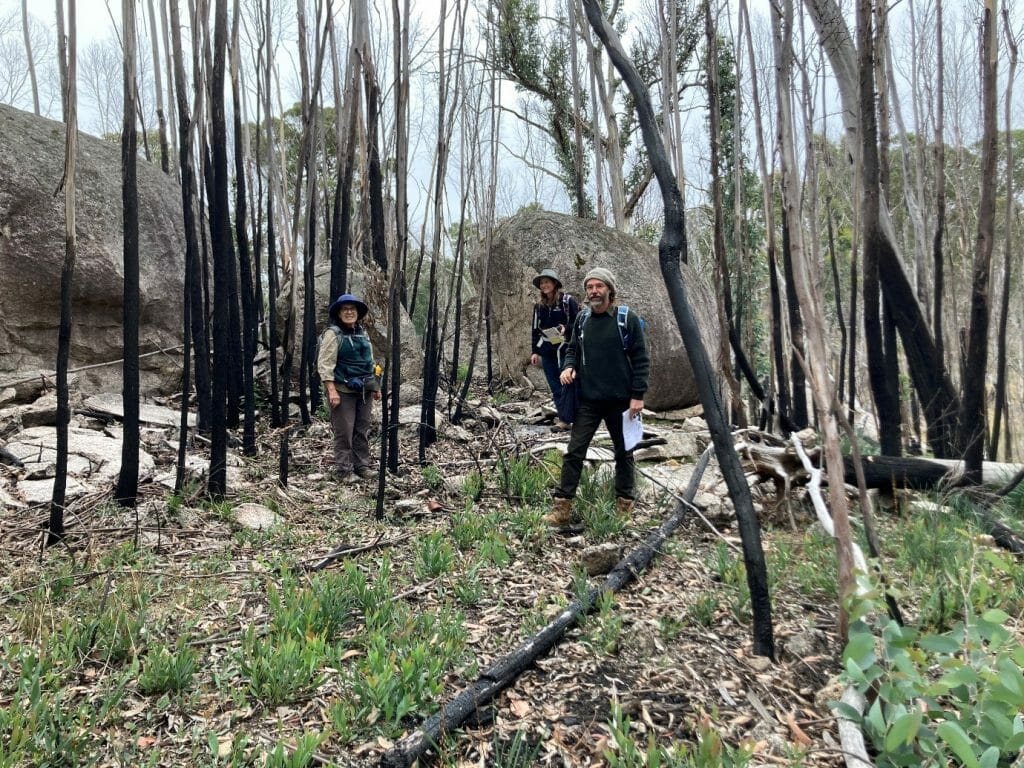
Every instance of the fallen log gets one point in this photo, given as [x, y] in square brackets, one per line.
[920, 474]
[504, 672]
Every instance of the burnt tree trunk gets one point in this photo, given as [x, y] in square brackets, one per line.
[128, 478]
[671, 245]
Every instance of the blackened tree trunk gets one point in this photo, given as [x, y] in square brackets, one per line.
[220, 241]
[874, 240]
[671, 245]
[192, 289]
[128, 479]
[798, 393]
[973, 412]
[69, 59]
[245, 269]
[938, 262]
[1001, 408]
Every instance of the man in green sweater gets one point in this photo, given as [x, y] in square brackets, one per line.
[608, 354]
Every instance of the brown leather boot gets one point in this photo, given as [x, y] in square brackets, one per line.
[624, 506]
[561, 515]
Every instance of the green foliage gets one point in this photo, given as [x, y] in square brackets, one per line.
[40, 724]
[515, 753]
[603, 630]
[473, 487]
[281, 668]
[936, 697]
[595, 503]
[299, 756]
[432, 477]
[703, 611]
[521, 479]
[434, 556]
[168, 670]
[710, 751]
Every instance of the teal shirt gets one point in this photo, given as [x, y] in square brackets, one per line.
[606, 370]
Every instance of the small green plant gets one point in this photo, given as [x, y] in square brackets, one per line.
[709, 752]
[468, 527]
[468, 588]
[516, 752]
[522, 480]
[432, 477]
[670, 628]
[434, 556]
[281, 669]
[473, 486]
[726, 566]
[390, 685]
[300, 756]
[703, 611]
[168, 670]
[493, 549]
[604, 629]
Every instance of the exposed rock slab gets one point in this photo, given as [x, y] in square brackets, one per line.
[110, 404]
[92, 455]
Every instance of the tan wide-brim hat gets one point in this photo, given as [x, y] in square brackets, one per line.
[550, 274]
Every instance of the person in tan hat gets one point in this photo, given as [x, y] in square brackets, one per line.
[553, 317]
[607, 354]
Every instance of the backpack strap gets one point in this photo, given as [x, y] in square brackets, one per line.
[620, 319]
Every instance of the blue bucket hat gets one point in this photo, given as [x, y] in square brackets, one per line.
[347, 298]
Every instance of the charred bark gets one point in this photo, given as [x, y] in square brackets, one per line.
[671, 245]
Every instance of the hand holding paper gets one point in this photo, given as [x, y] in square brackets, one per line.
[632, 429]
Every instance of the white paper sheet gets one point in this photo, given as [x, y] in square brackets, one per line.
[553, 335]
[632, 429]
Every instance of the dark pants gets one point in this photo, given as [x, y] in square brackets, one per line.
[351, 424]
[588, 419]
[552, 370]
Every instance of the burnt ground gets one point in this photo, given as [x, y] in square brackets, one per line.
[671, 652]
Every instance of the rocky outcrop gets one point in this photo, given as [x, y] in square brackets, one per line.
[531, 241]
[32, 254]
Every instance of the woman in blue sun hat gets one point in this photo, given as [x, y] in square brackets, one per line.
[346, 367]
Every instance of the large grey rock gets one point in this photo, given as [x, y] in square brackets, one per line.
[32, 255]
[533, 240]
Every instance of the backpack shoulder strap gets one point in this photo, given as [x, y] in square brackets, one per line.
[620, 319]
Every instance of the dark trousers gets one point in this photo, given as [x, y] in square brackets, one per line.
[552, 371]
[588, 419]
[351, 424]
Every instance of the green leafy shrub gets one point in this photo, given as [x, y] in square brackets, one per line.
[167, 670]
[936, 697]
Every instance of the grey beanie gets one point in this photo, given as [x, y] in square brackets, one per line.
[602, 274]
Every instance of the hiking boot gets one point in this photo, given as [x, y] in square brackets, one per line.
[345, 478]
[624, 506]
[563, 516]
[366, 472]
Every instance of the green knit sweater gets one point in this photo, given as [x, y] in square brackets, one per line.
[605, 369]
